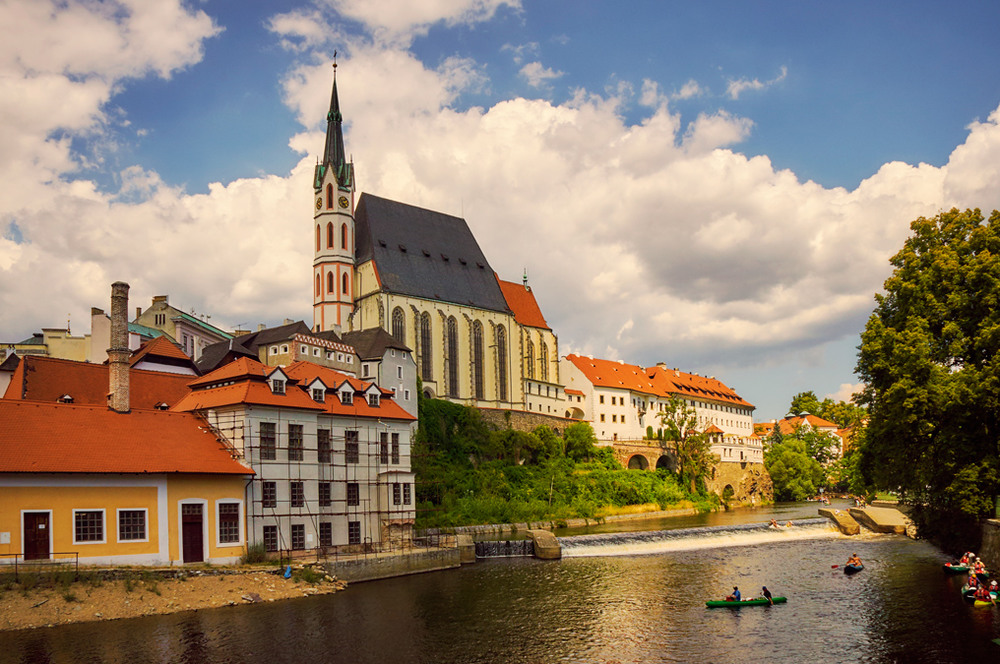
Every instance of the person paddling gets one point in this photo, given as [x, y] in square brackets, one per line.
[735, 597]
[854, 560]
[767, 595]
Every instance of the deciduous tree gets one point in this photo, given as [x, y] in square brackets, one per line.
[694, 457]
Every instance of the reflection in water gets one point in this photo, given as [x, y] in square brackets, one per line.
[610, 608]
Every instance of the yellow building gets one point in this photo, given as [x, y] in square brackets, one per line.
[144, 487]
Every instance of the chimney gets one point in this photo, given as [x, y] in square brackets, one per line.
[138, 311]
[119, 353]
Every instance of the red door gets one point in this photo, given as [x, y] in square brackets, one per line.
[192, 535]
[36, 535]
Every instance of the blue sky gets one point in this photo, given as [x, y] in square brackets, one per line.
[715, 185]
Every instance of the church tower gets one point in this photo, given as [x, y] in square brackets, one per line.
[333, 262]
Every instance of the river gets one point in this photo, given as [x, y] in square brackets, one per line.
[614, 597]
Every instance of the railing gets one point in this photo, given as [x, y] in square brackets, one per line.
[22, 564]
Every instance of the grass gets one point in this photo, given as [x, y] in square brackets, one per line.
[309, 575]
[69, 596]
[255, 553]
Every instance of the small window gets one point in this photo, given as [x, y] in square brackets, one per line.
[229, 523]
[614, 418]
[350, 359]
[324, 494]
[395, 448]
[284, 348]
[364, 370]
[274, 350]
[269, 495]
[602, 398]
[602, 417]
[325, 533]
[393, 351]
[278, 386]
[303, 349]
[397, 494]
[295, 442]
[399, 372]
[323, 446]
[270, 538]
[354, 532]
[406, 395]
[267, 441]
[340, 357]
[132, 525]
[346, 397]
[298, 536]
[315, 352]
[298, 493]
[88, 526]
[407, 494]
[319, 394]
[353, 494]
[373, 400]
[351, 446]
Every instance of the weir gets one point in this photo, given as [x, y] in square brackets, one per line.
[505, 549]
[705, 537]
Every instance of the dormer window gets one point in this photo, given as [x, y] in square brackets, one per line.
[373, 400]
[66, 398]
[346, 397]
[277, 385]
[319, 394]
[162, 406]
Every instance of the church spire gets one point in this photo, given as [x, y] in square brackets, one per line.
[334, 159]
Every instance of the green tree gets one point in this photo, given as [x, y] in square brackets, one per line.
[796, 475]
[930, 361]
[805, 402]
[694, 458]
[579, 440]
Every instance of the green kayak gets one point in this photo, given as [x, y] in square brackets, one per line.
[756, 601]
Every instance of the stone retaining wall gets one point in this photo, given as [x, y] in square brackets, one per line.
[989, 550]
[520, 420]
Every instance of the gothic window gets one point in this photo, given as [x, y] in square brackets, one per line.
[329, 197]
[477, 358]
[329, 283]
[317, 237]
[398, 325]
[501, 363]
[425, 347]
[543, 358]
[329, 235]
[343, 283]
[531, 359]
[317, 285]
[343, 236]
[452, 357]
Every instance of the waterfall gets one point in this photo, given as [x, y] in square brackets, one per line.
[505, 549]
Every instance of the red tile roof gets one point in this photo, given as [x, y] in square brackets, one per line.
[522, 302]
[61, 438]
[306, 372]
[47, 379]
[159, 347]
[657, 381]
[570, 390]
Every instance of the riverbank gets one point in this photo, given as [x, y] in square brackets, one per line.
[35, 602]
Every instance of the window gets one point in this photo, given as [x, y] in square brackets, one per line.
[354, 532]
[315, 352]
[304, 349]
[269, 495]
[325, 533]
[614, 418]
[88, 526]
[426, 357]
[343, 237]
[329, 197]
[274, 350]
[602, 399]
[329, 235]
[278, 386]
[330, 283]
[602, 417]
[270, 538]
[353, 494]
[298, 494]
[323, 446]
[406, 395]
[267, 441]
[398, 325]
[343, 283]
[543, 360]
[451, 357]
[383, 447]
[340, 357]
[319, 394]
[364, 370]
[477, 359]
[397, 494]
[502, 363]
[373, 400]
[395, 448]
[407, 494]
[614, 401]
[351, 445]
[324, 494]
[132, 525]
[317, 237]
[346, 396]
[284, 348]
[531, 359]
[399, 372]
[318, 291]
[295, 442]
[298, 536]
[229, 523]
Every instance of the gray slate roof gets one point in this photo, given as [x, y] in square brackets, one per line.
[425, 254]
[371, 344]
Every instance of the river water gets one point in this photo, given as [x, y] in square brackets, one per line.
[614, 597]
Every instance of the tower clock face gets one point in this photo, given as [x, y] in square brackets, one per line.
[319, 203]
[343, 201]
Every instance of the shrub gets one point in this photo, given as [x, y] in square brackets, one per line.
[255, 553]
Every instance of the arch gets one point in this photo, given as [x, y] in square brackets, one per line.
[531, 359]
[477, 359]
[329, 196]
[451, 359]
[344, 284]
[329, 235]
[343, 236]
[398, 325]
[329, 283]
[543, 359]
[501, 363]
[425, 347]
[318, 233]
[667, 461]
[638, 462]
[574, 414]
[728, 492]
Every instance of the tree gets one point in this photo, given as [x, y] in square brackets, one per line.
[796, 476]
[805, 402]
[694, 457]
[930, 361]
[579, 439]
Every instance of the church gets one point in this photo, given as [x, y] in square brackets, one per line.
[421, 276]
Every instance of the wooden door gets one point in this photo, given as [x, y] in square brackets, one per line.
[192, 534]
[36, 535]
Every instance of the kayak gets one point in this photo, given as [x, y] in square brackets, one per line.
[956, 568]
[969, 593]
[853, 569]
[981, 603]
[756, 601]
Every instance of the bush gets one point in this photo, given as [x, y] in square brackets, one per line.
[255, 553]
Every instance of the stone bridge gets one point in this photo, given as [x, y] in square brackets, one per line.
[641, 455]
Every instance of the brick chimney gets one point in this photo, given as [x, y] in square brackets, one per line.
[119, 353]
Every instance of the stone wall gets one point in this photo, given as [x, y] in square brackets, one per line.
[750, 481]
[524, 421]
[989, 550]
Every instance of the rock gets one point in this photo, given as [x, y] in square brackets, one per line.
[98, 615]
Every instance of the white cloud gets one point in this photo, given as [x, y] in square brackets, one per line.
[397, 22]
[846, 391]
[521, 51]
[538, 75]
[737, 86]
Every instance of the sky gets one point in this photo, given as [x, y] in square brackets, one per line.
[715, 185]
